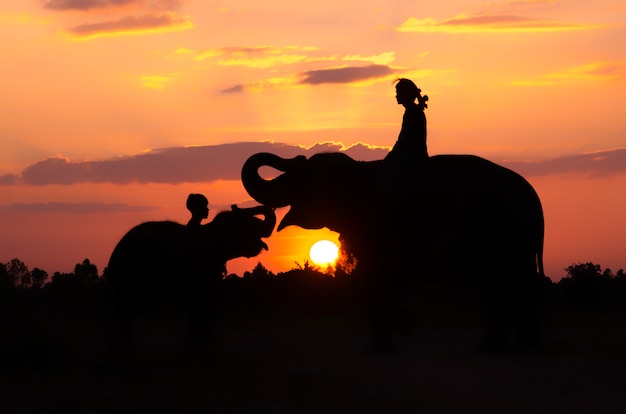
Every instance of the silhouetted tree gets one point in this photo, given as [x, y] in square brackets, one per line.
[5, 280]
[307, 267]
[18, 272]
[587, 286]
[38, 277]
[259, 272]
[60, 280]
[86, 273]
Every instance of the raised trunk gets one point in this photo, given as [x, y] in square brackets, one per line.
[269, 218]
[274, 192]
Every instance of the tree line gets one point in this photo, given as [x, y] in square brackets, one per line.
[585, 285]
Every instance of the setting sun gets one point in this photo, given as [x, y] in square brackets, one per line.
[324, 253]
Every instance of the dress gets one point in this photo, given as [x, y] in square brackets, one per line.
[412, 138]
[409, 148]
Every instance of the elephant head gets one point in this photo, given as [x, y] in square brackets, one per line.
[242, 231]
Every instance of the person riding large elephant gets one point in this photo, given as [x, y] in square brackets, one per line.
[163, 260]
[454, 214]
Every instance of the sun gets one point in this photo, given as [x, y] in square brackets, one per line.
[324, 253]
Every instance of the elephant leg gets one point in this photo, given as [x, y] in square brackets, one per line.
[381, 312]
[528, 335]
[526, 323]
[381, 320]
[203, 311]
[120, 329]
[198, 330]
[497, 338]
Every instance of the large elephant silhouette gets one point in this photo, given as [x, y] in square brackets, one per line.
[458, 215]
[164, 261]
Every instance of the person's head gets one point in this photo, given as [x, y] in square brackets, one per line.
[198, 205]
[407, 92]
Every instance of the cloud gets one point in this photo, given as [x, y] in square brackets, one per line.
[86, 5]
[73, 208]
[243, 53]
[592, 72]
[599, 164]
[487, 23]
[156, 81]
[234, 89]
[380, 59]
[148, 16]
[223, 162]
[9, 179]
[132, 25]
[264, 62]
[262, 57]
[172, 165]
[258, 57]
[345, 75]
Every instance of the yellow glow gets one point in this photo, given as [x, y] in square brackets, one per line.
[465, 24]
[382, 59]
[23, 18]
[156, 81]
[263, 62]
[324, 253]
[532, 83]
[593, 71]
[133, 32]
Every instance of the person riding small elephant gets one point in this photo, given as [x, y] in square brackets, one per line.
[198, 206]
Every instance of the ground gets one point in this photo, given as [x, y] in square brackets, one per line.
[320, 364]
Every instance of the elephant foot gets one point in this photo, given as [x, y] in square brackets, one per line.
[528, 335]
[197, 344]
[382, 347]
[495, 346]
[529, 345]
[404, 324]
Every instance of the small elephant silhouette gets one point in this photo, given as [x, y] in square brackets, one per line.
[164, 260]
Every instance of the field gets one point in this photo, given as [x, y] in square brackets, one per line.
[299, 360]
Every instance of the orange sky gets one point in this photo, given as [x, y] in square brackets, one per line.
[537, 84]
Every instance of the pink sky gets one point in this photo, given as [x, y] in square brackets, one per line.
[113, 111]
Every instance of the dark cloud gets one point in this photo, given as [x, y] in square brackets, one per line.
[362, 152]
[87, 4]
[62, 5]
[128, 23]
[593, 165]
[9, 179]
[74, 208]
[173, 165]
[345, 75]
[234, 89]
[224, 162]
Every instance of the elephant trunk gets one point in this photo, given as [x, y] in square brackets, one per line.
[272, 192]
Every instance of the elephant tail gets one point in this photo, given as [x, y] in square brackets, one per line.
[540, 262]
[539, 252]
